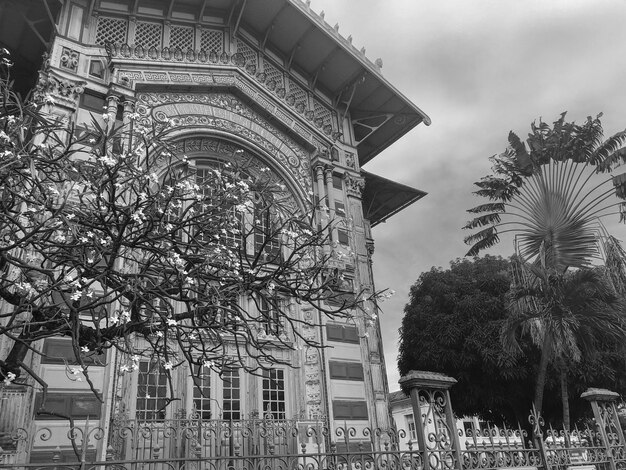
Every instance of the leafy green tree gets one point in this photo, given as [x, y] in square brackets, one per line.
[552, 194]
[453, 324]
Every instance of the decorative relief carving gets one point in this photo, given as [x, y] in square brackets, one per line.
[350, 160]
[69, 59]
[354, 185]
[66, 92]
[182, 109]
[155, 76]
[127, 77]
[201, 78]
[296, 98]
[227, 150]
[180, 77]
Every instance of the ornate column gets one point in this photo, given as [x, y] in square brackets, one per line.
[129, 108]
[435, 424]
[328, 177]
[322, 199]
[112, 103]
[605, 414]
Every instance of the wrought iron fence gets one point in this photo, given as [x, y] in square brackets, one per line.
[258, 444]
[218, 445]
[265, 444]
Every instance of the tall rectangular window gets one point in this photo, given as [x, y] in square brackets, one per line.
[337, 182]
[228, 222]
[266, 238]
[202, 391]
[231, 395]
[270, 312]
[410, 425]
[151, 392]
[274, 394]
[76, 22]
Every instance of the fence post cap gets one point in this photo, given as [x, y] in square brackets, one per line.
[422, 378]
[599, 394]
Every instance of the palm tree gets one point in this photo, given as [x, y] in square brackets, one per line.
[552, 193]
[567, 317]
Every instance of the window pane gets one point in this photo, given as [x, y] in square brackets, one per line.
[230, 402]
[337, 182]
[342, 237]
[151, 391]
[202, 391]
[350, 410]
[273, 394]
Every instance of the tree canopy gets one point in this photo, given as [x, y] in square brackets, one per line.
[453, 324]
[110, 236]
[552, 192]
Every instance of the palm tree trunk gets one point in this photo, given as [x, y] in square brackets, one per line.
[546, 351]
[564, 400]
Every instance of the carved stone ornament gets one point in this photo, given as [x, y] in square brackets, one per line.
[223, 112]
[69, 59]
[350, 161]
[325, 122]
[64, 91]
[354, 185]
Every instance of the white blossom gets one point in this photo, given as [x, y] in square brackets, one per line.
[10, 377]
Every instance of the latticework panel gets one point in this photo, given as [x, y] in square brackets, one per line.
[297, 92]
[248, 53]
[322, 112]
[212, 40]
[148, 35]
[111, 30]
[272, 73]
[181, 36]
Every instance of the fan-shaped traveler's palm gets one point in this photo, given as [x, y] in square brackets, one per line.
[552, 194]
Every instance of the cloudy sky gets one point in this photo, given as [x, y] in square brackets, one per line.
[479, 69]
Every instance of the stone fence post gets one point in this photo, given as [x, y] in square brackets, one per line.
[605, 414]
[435, 423]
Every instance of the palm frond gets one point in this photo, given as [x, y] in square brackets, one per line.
[615, 263]
[522, 158]
[608, 153]
[481, 240]
[619, 183]
[490, 207]
[481, 221]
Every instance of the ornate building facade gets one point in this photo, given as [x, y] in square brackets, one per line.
[266, 80]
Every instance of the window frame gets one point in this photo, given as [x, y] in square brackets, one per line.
[349, 333]
[350, 410]
[61, 357]
[159, 412]
[353, 370]
[274, 394]
[68, 403]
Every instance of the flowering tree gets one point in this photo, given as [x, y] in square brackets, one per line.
[109, 235]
